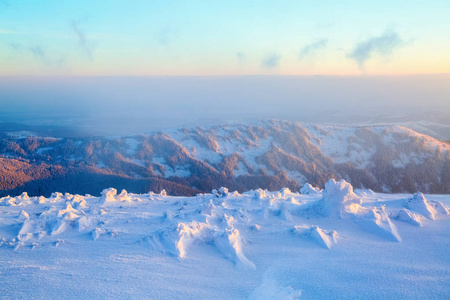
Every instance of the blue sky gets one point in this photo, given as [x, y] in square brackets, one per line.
[224, 37]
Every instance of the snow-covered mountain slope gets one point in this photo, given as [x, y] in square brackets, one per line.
[268, 154]
[337, 243]
[440, 131]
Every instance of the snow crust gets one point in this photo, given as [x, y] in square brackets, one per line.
[241, 238]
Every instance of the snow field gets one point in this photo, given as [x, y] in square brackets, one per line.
[259, 244]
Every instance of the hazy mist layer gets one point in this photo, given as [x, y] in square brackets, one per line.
[126, 105]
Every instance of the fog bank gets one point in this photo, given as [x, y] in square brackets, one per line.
[125, 105]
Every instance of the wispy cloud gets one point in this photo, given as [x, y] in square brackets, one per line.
[16, 47]
[312, 49]
[383, 45]
[166, 37]
[82, 40]
[38, 53]
[271, 61]
[241, 57]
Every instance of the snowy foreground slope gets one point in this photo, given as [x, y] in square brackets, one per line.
[330, 244]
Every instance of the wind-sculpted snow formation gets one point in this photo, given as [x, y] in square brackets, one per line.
[221, 219]
[236, 229]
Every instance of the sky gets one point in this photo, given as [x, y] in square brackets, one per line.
[120, 67]
[214, 38]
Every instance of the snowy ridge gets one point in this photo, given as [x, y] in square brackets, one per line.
[267, 154]
[344, 144]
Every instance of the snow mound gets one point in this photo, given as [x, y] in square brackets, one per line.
[229, 244]
[260, 194]
[278, 209]
[364, 193]
[109, 195]
[227, 240]
[222, 192]
[323, 238]
[376, 220]
[23, 216]
[440, 208]
[98, 232]
[409, 217]
[21, 200]
[339, 199]
[419, 204]
[340, 202]
[308, 189]
[211, 227]
[190, 233]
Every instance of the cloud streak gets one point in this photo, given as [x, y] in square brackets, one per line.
[82, 40]
[271, 62]
[39, 54]
[241, 57]
[312, 49]
[166, 37]
[36, 51]
[383, 45]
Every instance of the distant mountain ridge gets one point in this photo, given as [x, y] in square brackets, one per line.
[264, 154]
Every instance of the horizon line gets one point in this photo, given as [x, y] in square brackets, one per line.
[224, 76]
